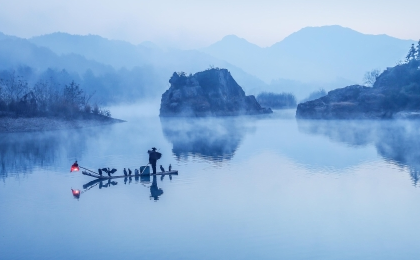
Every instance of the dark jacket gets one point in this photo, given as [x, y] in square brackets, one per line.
[154, 156]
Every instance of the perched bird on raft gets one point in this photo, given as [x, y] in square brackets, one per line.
[129, 171]
[162, 169]
[108, 171]
[125, 172]
[170, 167]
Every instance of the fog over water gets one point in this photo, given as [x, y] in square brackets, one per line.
[256, 187]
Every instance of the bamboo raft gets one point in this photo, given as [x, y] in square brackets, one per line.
[103, 177]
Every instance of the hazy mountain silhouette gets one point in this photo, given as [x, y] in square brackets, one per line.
[36, 63]
[116, 70]
[121, 54]
[312, 58]
[16, 52]
[237, 51]
[313, 54]
[116, 53]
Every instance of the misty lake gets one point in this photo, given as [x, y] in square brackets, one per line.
[254, 187]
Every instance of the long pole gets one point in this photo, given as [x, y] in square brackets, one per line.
[87, 169]
[144, 169]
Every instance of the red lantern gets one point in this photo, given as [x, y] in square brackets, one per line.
[74, 167]
[76, 193]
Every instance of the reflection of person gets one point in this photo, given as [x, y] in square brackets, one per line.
[153, 157]
[155, 191]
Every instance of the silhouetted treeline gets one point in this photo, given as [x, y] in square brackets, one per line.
[110, 86]
[273, 100]
[18, 98]
[413, 53]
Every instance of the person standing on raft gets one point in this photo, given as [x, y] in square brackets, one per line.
[153, 157]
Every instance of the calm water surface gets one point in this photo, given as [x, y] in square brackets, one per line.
[248, 188]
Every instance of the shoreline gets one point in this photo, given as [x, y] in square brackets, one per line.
[36, 124]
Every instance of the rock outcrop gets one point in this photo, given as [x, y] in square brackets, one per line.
[213, 92]
[396, 92]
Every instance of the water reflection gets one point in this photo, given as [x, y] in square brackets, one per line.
[19, 152]
[396, 141]
[155, 191]
[214, 139]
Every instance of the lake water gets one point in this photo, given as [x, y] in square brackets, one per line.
[257, 187]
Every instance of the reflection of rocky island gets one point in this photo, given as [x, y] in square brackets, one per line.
[209, 93]
[397, 141]
[396, 93]
[215, 139]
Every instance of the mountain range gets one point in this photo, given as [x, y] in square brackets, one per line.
[320, 54]
[120, 54]
[124, 70]
[312, 58]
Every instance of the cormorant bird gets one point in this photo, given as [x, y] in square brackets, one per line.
[113, 171]
[125, 172]
[100, 172]
[161, 168]
[136, 171]
[129, 172]
[170, 167]
[105, 170]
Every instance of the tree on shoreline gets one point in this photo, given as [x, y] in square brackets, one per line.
[370, 77]
[44, 98]
[418, 51]
[412, 53]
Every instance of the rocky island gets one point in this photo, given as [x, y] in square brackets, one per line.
[395, 94]
[212, 92]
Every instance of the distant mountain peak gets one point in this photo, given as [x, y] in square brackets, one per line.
[232, 41]
[327, 27]
[323, 31]
[63, 35]
[332, 31]
[232, 37]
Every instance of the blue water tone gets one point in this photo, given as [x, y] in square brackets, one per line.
[255, 187]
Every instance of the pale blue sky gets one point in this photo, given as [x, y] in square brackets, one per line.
[190, 24]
